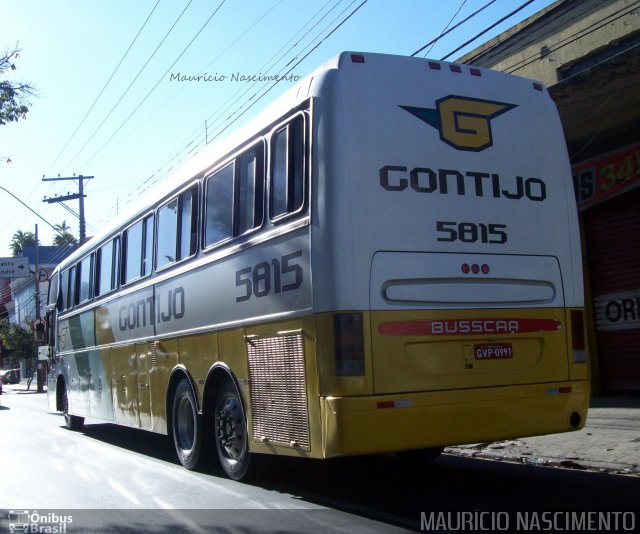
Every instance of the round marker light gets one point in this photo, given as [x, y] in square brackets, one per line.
[475, 269]
[465, 268]
[485, 268]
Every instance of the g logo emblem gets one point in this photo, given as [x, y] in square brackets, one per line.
[464, 123]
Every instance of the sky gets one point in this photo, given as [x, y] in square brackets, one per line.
[108, 103]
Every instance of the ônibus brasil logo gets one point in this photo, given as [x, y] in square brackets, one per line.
[464, 123]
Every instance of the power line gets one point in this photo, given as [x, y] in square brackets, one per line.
[104, 87]
[322, 40]
[519, 8]
[156, 177]
[130, 85]
[447, 26]
[157, 83]
[433, 41]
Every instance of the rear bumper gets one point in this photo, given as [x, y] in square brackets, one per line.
[387, 423]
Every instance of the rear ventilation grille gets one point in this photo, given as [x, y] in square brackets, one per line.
[278, 389]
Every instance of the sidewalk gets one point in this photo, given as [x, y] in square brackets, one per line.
[609, 442]
[22, 387]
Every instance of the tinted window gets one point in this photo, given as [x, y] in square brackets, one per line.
[107, 267]
[147, 255]
[234, 203]
[84, 279]
[288, 169]
[167, 233]
[219, 206]
[188, 224]
[71, 299]
[177, 229]
[249, 185]
[64, 290]
[133, 252]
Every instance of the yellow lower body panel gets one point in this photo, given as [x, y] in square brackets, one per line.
[386, 423]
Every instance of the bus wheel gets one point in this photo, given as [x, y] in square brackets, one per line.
[230, 432]
[187, 432]
[72, 422]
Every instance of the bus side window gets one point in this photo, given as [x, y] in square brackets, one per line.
[138, 249]
[177, 229]
[167, 234]
[288, 169]
[73, 288]
[234, 203]
[250, 186]
[106, 267]
[64, 290]
[219, 206]
[85, 279]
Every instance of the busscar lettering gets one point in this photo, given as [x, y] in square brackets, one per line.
[487, 326]
[451, 181]
[145, 312]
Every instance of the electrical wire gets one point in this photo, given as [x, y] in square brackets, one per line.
[446, 27]
[433, 41]
[509, 15]
[104, 87]
[130, 85]
[156, 85]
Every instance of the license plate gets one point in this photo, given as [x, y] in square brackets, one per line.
[493, 351]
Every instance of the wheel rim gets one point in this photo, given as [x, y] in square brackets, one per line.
[231, 434]
[185, 424]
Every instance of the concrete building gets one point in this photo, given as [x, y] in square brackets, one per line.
[587, 52]
[19, 297]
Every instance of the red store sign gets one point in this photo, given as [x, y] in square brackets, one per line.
[601, 178]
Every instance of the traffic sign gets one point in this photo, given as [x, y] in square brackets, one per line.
[14, 267]
[41, 275]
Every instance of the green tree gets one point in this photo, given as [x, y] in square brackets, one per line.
[21, 240]
[18, 339]
[63, 235]
[14, 96]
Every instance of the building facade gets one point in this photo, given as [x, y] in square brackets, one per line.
[587, 52]
[23, 300]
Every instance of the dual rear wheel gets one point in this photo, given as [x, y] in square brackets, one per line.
[228, 429]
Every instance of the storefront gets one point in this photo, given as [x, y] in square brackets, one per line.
[608, 191]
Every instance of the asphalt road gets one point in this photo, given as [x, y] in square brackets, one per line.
[113, 479]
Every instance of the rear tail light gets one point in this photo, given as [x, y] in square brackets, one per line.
[577, 337]
[348, 344]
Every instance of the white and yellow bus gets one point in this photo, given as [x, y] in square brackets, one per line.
[386, 259]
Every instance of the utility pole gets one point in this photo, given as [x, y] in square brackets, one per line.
[39, 365]
[79, 195]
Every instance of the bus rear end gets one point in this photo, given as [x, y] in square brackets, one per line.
[449, 285]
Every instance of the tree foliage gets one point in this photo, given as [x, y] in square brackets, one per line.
[14, 96]
[63, 235]
[17, 338]
[22, 240]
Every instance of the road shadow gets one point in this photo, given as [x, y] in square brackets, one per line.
[388, 489]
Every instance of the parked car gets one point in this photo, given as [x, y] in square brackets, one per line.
[10, 376]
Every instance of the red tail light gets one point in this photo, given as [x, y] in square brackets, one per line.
[348, 344]
[577, 336]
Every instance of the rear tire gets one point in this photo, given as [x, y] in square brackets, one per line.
[230, 432]
[72, 422]
[186, 426]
